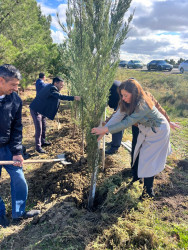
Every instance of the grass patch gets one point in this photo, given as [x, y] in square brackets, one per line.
[142, 228]
[173, 94]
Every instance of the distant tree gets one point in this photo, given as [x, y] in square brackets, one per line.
[59, 63]
[180, 61]
[171, 61]
[22, 23]
[95, 31]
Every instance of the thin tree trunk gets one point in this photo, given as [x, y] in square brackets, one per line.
[74, 127]
[94, 176]
[94, 180]
[103, 146]
[82, 112]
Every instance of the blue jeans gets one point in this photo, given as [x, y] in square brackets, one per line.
[19, 188]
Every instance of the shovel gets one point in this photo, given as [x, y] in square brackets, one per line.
[61, 158]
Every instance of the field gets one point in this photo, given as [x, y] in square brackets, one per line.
[119, 219]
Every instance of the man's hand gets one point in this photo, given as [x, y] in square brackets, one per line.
[19, 159]
[77, 98]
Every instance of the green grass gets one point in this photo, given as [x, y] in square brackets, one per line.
[171, 90]
[142, 228]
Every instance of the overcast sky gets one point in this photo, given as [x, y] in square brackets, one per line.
[159, 29]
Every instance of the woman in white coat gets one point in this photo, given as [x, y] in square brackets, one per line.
[154, 131]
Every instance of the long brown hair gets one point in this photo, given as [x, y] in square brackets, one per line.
[138, 94]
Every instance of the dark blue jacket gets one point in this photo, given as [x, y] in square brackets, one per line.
[114, 96]
[47, 101]
[39, 85]
[11, 123]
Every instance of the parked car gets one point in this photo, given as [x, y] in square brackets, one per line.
[123, 64]
[159, 65]
[183, 66]
[135, 64]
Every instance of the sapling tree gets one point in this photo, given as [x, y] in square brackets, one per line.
[95, 31]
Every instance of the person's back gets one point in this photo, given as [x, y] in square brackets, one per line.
[114, 96]
[40, 83]
[45, 103]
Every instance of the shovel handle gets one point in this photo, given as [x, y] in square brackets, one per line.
[31, 161]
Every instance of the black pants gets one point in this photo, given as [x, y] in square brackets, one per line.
[148, 182]
[40, 128]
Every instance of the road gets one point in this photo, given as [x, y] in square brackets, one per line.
[174, 70]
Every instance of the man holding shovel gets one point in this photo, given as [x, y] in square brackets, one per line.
[11, 144]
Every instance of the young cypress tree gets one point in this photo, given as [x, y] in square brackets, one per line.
[95, 31]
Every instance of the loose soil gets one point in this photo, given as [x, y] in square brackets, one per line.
[61, 191]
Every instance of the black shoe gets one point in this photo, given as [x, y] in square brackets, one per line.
[134, 179]
[25, 215]
[111, 151]
[46, 144]
[141, 181]
[26, 156]
[4, 221]
[16, 221]
[41, 151]
[147, 195]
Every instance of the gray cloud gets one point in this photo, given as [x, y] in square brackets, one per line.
[135, 32]
[141, 46]
[165, 15]
[171, 53]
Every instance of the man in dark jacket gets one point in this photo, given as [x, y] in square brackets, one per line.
[47, 102]
[11, 143]
[40, 120]
[40, 83]
[113, 103]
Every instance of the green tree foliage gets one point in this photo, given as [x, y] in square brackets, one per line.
[95, 31]
[60, 63]
[22, 23]
[8, 52]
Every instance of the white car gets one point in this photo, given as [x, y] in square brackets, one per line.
[183, 66]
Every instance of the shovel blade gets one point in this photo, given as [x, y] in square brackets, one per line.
[63, 159]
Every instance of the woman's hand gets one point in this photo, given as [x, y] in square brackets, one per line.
[101, 131]
[174, 125]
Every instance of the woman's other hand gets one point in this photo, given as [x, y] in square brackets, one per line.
[174, 125]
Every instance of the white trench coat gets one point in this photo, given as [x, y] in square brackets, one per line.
[153, 148]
